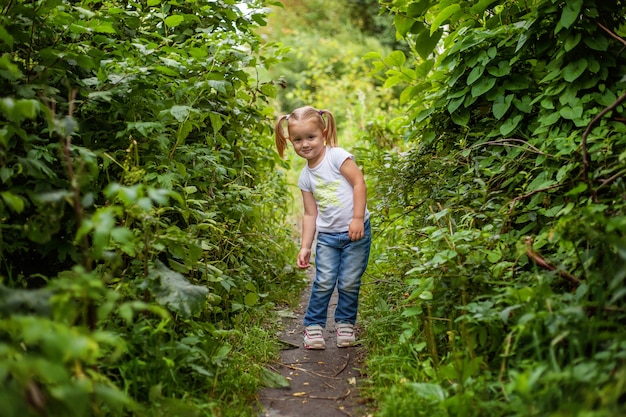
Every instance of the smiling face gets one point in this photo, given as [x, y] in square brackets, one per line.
[308, 140]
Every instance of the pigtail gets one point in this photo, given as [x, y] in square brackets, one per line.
[331, 126]
[325, 119]
[281, 138]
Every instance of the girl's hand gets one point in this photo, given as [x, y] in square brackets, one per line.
[356, 230]
[304, 258]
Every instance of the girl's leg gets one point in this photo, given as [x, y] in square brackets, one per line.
[327, 258]
[352, 265]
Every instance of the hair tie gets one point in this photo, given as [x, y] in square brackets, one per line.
[287, 117]
[321, 112]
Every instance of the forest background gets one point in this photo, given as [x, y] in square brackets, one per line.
[147, 235]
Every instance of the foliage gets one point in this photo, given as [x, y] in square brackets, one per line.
[140, 222]
[372, 21]
[504, 200]
[323, 63]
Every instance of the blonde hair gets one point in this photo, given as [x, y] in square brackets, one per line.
[305, 113]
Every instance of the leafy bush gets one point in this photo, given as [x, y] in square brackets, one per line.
[139, 206]
[504, 203]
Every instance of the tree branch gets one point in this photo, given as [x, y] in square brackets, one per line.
[588, 130]
[541, 262]
[611, 34]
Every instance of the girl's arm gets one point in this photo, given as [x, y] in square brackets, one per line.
[308, 229]
[353, 174]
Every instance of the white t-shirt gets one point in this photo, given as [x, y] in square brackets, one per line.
[332, 191]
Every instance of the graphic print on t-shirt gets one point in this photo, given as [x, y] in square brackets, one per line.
[326, 193]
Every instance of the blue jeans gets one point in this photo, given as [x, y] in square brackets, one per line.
[338, 262]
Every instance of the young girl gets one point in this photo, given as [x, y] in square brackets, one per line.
[334, 197]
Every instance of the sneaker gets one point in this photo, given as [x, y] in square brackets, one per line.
[314, 337]
[345, 334]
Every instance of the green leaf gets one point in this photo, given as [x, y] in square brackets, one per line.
[372, 55]
[607, 98]
[394, 80]
[181, 113]
[426, 42]
[503, 68]
[172, 290]
[13, 201]
[173, 21]
[571, 113]
[482, 86]
[217, 122]
[411, 311]
[501, 105]
[271, 379]
[184, 130]
[475, 74]
[114, 398]
[408, 93]
[126, 240]
[268, 89]
[432, 393]
[106, 96]
[574, 70]
[84, 13]
[572, 41]
[598, 42]
[18, 110]
[443, 16]
[6, 37]
[395, 59]
[570, 13]
[219, 85]
[510, 125]
[103, 222]
[426, 295]
[542, 181]
[481, 6]
[550, 119]
[145, 128]
[493, 256]
[523, 104]
[166, 70]
[417, 8]
[461, 117]
[251, 299]
[403, 24]
[104, 27]
[455, 104]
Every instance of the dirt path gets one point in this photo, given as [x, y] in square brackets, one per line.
[322, 382]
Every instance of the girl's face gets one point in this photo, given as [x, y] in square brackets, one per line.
[308, 140]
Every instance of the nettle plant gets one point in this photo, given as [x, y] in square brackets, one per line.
[138, 204]
[513, 186]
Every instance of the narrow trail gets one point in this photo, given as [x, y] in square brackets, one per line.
[323, 383]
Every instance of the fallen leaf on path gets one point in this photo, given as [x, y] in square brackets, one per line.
[287, 314]
[298, 394]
